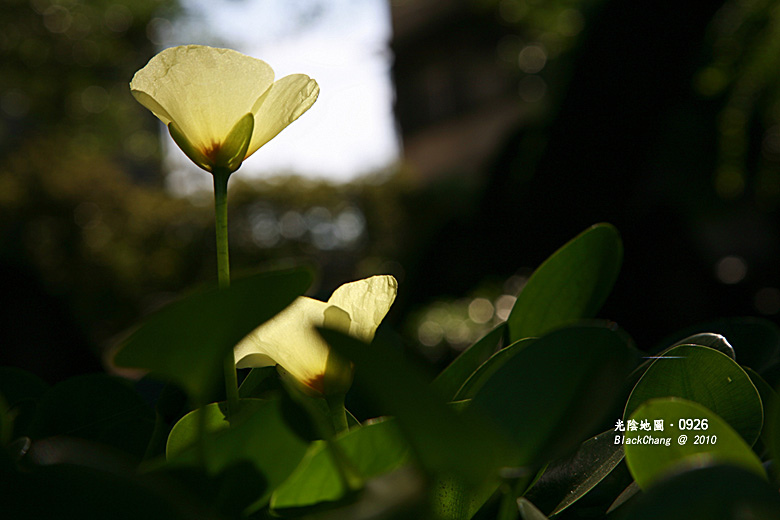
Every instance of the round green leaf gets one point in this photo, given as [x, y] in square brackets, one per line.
[570, 285]
[653, 454]
[768, 400]
[373, 449]
[705, 339]
[184, 433]
[551, 394]
[705, 376]
[722, 492]
[756, 341]
[711, 340]
[261, 435]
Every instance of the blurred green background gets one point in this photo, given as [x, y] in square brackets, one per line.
[522, 123]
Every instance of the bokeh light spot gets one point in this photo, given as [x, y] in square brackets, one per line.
[159, 30]
[731, 270]
[118, 18]
[57, 19]
[292, 225]
[504, 304]
[350, 225]
[532, 58]
[430, 333]
[94, 99]
[15, 103]
[480, 310]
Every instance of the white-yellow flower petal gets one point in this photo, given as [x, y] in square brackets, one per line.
[283, 103]
[290, 338]
[204, 90]
[367, 302]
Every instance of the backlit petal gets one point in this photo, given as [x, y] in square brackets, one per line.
[204, 90]
[367, 302]
[282, 104]
[291, 340]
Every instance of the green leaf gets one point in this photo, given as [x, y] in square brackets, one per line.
[723, 492]
[186, 342]
[170, 406]
[96, 407]
[373, 449]
[711, 340]
[261, 435]
[483, 374]
[461, 451]
[452, 378]
[184, 433]
[756, 341]
[649, 459]
[553, 393]
[528, 511]
[769, 400]
[566, 481]
[706, 339]
[705, 376]
[626, 496]
[570, 285]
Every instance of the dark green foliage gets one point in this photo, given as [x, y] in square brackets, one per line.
[705, 376]
[457, 373]
[199, 330]
[725, 492]
[517, 440]
[98, 408]
[571, 285]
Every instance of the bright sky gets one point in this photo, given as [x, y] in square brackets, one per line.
[342, 44]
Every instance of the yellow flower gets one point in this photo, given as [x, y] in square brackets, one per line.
[290, 339]
[219, 105]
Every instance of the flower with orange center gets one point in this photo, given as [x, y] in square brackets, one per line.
[291, 340]
[219, 105]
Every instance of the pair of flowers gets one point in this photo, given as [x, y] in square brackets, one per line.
[220, 106]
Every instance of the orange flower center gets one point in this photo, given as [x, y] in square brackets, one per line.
[317, 383]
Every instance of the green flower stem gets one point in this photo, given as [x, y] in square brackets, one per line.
[221, 177]
[337, 413]
[220, 209]
[508, 509]
[348, 473]
[512, 491]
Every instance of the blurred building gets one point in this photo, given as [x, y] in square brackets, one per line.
[455, 98]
